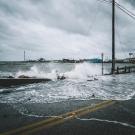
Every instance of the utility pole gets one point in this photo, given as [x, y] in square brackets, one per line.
[24, 56]
[113, 36]
[102, 57]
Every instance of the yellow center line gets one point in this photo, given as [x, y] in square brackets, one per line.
[38, 126]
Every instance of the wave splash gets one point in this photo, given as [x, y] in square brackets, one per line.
[80, 71]
[76, 87]
[36, 72]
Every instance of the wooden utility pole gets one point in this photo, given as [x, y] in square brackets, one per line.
[113, 36]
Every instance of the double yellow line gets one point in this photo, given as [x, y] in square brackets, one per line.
[43, 124]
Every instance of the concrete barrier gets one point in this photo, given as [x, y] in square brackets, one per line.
[5, 82]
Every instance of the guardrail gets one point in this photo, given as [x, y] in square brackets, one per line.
[123, 70]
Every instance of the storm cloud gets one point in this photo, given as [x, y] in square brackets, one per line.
[63, 29]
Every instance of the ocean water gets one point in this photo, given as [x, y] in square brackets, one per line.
[82, 81]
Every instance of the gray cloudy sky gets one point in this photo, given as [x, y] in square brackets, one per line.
[56, 29]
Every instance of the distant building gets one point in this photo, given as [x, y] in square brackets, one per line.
[71, 61]
[41, 60]
[94, 60]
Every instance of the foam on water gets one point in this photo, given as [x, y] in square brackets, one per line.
[83, 71]
[107, 121]
[35, 72]
[5, 74]
[75, 87]
[80, 71]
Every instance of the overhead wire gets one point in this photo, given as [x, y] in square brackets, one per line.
[132, 16]
[122, 8]
[119, 37]
[107, 1]
[125, 8]
[121, 42]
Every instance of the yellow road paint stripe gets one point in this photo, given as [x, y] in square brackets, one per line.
[37, 126]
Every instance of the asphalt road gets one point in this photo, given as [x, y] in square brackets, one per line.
[75, 118]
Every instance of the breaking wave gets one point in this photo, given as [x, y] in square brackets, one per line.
[35, 72]
[79, 85]
[84, 71]
[80, 71]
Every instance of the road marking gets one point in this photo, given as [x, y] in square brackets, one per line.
[38, 126]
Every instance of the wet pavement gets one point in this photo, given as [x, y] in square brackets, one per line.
[116, 119]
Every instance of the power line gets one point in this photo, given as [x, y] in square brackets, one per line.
[122, 8]
[128, 13]
[125, 8]
[107, 1]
